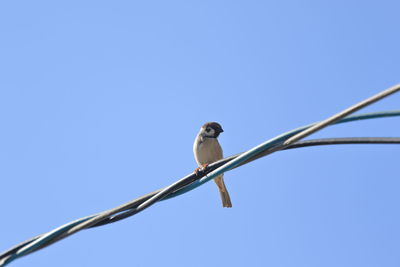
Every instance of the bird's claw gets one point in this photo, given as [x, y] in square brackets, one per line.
[202, 168]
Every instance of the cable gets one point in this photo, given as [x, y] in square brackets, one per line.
[342, 114]
[300, 144]
[308, 143]
[290, 138]
[189, 182]
[345, 141]
[52, 237]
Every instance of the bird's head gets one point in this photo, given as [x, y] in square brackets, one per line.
[211, 130]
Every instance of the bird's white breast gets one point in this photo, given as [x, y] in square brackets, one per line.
[207, 151]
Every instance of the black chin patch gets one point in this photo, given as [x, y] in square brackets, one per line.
[216, 134]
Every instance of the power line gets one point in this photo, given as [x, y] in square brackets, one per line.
[342, 114]
[299, 144]
[130, 207]
[192, 180]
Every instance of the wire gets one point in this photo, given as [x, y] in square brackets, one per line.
[345, 141]
[129, 209]
[342, 114]
[192, 181]
[308, 143]
[300, 144]
[268, 148]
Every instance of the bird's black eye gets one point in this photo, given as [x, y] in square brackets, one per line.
[208, 130]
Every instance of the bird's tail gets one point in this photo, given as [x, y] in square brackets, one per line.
[226, 199]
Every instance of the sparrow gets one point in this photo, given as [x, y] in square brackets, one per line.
[207, 149]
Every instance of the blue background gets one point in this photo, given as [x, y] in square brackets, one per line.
[100, 102]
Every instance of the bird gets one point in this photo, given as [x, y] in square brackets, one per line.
[206, 150]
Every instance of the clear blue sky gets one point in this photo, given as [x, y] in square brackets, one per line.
[100, 102]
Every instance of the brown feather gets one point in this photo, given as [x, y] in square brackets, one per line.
[206, 151]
